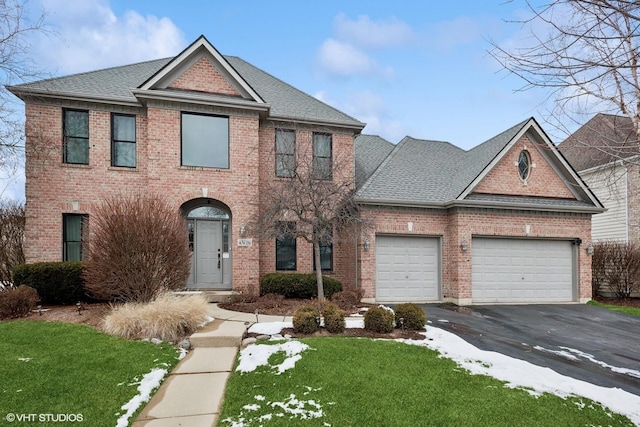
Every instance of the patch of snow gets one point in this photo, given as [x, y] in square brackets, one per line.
[591, 358]
[560, 353]
[354, 323]
[149, 382]
[24, 359]
[207, 319]
[442, 321]
[387, 308]
[251, 407]
[296, 407]
[255, 355]
[518, 373]
[156, 341]
[183, 353]
[259, 398]
[269, 328]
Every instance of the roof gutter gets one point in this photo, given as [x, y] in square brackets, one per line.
[359, 126]
[37, 93]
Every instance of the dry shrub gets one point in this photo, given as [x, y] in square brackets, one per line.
[138, 248]
[17, 302]
[379, 319]
[347, 300]
[169, 317]
[11, 239]
[617, 266]
[306, 319]
[333, 319]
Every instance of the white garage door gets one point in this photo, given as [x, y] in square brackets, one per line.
[407, 269]
[522, 271]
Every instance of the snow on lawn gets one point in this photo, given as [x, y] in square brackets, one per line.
[518, 373]
[149, 382]
[254, 355]
[514, 372]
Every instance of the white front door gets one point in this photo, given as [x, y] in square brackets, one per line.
[208, 253]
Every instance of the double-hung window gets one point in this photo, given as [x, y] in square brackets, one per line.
[75, 127]
[123, 140]
[205, 141]
[285, 153]
[73, 232]
[326, 253]
[286, 247]
[322, 156]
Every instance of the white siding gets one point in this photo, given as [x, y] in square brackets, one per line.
[610, 187]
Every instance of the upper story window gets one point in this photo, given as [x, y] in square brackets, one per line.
[205, 141]
[73, 233]
[524, 165]
[322, 156]
[123, 140]
[75, 128]
[285, 153]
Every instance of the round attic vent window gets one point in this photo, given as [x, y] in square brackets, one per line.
[524, 165]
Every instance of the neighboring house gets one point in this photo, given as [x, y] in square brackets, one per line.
[502, 222]
[605, 151]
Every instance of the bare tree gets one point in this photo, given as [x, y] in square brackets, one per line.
[11, 240]
[315, 194]
[16, 66]
[585, 53]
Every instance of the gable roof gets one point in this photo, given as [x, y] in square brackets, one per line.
[426, 173]
[370, 151]
[604, 139]
[130, 84]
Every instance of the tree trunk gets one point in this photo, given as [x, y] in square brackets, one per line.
[316, 254]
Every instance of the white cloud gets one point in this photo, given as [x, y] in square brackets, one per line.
[371, 109]
[459, 31]
[90, 36]
[344, 59]
[364, 32]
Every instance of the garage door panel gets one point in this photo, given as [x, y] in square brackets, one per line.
[407, 269]
[520, 270]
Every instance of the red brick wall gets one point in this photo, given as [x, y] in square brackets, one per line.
[204, 77]
[543, 180]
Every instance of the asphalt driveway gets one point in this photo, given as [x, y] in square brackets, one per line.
[584, 342]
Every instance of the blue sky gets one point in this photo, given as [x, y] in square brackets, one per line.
[418, 68]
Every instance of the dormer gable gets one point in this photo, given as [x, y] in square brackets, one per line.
[202, 75]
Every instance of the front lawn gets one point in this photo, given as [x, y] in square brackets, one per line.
[634, 311]
[60, 368]
[361, 382]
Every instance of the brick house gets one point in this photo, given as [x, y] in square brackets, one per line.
[502, 222]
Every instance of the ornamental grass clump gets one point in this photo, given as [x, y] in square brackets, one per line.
[306, 320]
[168, 318]
[379, 319]
[410, 316]
[333, 319]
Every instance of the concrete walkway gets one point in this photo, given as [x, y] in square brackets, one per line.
[192, 394]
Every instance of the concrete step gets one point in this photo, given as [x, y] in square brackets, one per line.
[219, 333]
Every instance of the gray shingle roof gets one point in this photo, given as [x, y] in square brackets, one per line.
[116, 83]
[370, 151]
[423, 171]
[604, 139]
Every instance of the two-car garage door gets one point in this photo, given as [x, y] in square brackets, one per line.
[522, 271]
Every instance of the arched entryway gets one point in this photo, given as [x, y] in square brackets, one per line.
[209, 229]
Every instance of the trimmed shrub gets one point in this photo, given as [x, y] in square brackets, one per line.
[347, 300]
[306, 320]
[137, 250]
[169, 317]
[333, 319]
[413, 317]
[297, 285]
[379, 319]
[55, 282]
[17, 302]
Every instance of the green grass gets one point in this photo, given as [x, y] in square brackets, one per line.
[72, 369]
[361, 382]
[634, 311]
